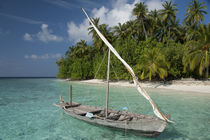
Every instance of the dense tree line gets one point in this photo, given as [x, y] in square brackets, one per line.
[155, 44]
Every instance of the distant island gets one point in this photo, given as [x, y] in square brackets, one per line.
[155, 44]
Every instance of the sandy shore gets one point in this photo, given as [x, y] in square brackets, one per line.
[181, 85]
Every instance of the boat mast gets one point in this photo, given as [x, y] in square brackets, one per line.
[107, 90]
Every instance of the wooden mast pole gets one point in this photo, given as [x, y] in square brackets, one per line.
[70, 96]
[107, 90]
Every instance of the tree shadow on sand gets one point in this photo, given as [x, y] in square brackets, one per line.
[163, 84]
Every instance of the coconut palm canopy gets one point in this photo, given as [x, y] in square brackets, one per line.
[154, 43]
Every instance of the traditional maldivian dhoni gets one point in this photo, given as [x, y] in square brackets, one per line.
[138, 123]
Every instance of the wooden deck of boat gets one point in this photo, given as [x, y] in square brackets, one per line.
[143, 125]
[78, 108]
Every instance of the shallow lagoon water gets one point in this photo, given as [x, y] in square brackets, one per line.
[27, 111]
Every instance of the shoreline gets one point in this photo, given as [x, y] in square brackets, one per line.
[179, 85]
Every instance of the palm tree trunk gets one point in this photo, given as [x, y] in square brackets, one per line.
[207, 66]
[144, 28]
[207, 72]
[169, 30]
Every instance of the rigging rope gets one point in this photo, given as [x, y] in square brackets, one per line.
[100, 64]
[125, 128]
[123, 93]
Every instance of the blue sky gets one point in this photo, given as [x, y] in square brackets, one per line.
[35, 33]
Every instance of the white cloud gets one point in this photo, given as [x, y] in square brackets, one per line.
[33, 56]
[57, 55]
[26, 56]
[22, 19]
[27, 37]
[79, 32]
[44, 56]
[45, 35]
[154, 4]
[120, 12]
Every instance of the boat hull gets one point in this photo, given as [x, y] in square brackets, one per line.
[146, 126]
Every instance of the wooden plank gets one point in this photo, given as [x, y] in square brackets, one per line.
[80, 110]
[107, 90]
[70, 96]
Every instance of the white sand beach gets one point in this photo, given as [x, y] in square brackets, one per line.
[181, 85]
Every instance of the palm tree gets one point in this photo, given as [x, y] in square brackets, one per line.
[152, 62]
[69, 51]
[80, 50]
[198, 51]
[96, 23]
[154, 19]
[81, 43]
[191, 32]
[120, 31]
[81, 47]
[91, 30]
[168, 14]
[131, 30]
[195, 12]
[141, 11]
[98, 43]
[161, 32]
[60, 61]
[104, 29]
[175, 30]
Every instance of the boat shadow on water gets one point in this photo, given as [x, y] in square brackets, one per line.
[171, 133]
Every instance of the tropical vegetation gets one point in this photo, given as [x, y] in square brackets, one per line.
[155, 44]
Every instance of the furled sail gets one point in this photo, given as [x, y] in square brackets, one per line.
[130, 70]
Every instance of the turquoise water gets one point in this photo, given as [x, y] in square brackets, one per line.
[26, 111]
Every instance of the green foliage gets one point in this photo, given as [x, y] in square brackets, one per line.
[195, 12]
[153, 63]
[197, 54]
[154, 44]
[174, 53]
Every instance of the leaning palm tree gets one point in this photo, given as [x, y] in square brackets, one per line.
[198, 51]
[153, 63]
[141, 11]
[98, 43]
[91, 30]
[105, 30]
[195, 12]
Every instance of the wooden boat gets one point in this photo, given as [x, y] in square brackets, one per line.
[122, 120]
[137, 123]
